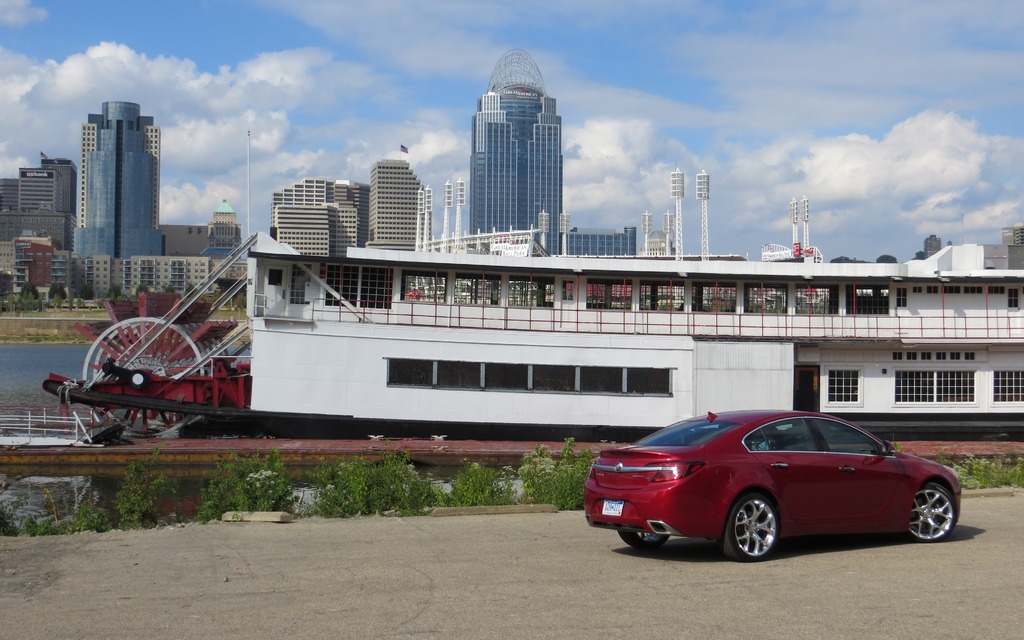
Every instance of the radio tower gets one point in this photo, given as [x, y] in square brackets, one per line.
[678, 189]
[703, 193]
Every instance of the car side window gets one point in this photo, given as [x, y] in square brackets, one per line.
[842, 438]
[785, 435]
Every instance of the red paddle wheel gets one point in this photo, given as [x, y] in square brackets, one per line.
[160, 360]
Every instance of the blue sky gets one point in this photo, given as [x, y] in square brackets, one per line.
[896, 120]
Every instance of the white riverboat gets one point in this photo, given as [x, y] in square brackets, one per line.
[593, 347]
[483, 346]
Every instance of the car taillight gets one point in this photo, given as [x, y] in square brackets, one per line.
[668, 472]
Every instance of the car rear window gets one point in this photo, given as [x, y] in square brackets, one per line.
[688, 433]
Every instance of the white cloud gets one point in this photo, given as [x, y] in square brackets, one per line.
[18, 13]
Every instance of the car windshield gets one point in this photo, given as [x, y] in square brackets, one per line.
[688, 433]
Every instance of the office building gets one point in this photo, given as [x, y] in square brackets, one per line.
[224, 232]
[321, 216]
[516, 161]
[394, 190]
[601, 242]
[120, 186]
[932, 245]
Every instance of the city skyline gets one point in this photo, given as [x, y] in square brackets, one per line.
[896, 122]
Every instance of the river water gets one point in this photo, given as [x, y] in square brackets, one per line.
[23, 367]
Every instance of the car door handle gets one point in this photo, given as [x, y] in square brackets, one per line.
[847, 469]
[779, 465]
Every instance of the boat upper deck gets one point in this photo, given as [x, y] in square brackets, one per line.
[948, 297]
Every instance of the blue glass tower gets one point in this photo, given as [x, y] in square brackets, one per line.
[516, 163]
[120, 199]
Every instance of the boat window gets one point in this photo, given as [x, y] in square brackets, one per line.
[714, 297]
[548, 377]
[423, 286]
[531, 291]
[601, 379]
[817, 299]
[1008, 386]
[648, 381]
[412, 373]
[934, 386]
[867, 300]
[762, 298]
[477, 288]
[506, 376]
[662, 295]
[458, 375]
[374, 287]
[609, 294]
[297, 291]
[844, 385]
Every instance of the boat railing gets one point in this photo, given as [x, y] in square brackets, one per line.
[990, 325]
[42, 426]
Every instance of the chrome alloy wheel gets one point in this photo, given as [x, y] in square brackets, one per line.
[933, 514]
[753, 529]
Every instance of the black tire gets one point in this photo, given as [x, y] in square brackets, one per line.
[751, 530]
[933, 514]
[643, 540]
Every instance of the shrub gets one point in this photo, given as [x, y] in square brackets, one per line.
[136, 499]
[8, 518]
[361, 487]
[547, 481]
[987, 474]
[250, 483]
[475, 485]
[85, 517]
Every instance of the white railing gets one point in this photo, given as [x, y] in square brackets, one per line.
[41, 427]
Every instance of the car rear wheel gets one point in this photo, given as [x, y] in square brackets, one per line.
[933, 515]
[751, 530]
[643, 540]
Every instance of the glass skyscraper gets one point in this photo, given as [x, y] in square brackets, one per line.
[120, 184]
[516, 163]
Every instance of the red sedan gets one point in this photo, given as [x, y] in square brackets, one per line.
[748, 478]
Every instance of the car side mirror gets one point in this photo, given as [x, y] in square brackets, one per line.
[887, 448]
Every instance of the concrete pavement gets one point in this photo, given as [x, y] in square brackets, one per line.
[542, 575]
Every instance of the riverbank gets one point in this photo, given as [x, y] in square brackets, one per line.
[184, 452]
[43, 329]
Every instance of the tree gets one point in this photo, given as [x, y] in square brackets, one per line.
[114, 292]
[845, 260]
[87, 292]
[920, 255]
[886, 258]
[57, 290]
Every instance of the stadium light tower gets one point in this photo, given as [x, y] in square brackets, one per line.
[563, 227]
[794, 219]
[703, 194]
[460, 201]
[543, 220]
[419, 219]
[428, 214]
[645, 225]
[678, 191]
[807, 225]
[449, 201]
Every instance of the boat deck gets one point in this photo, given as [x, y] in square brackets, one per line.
[206, 452]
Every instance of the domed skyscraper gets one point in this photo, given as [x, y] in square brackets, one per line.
[516, 162]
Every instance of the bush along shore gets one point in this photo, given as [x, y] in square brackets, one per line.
[352, 488]
[341, 489]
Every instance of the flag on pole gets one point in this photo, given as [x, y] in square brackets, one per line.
[43, 156]
[404, 148]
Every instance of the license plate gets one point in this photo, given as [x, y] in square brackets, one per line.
[612, 508]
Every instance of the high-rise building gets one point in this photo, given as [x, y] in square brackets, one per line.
[120, 186]
[394, 190]
[320, 216]
[66, 189]
[932, 245]
[516, 162]
[224, 232]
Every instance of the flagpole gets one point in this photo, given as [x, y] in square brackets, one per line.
[248, 208]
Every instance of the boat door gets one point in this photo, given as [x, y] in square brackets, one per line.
[806, 396]
[567, 311]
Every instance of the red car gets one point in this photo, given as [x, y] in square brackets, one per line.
[749, 478]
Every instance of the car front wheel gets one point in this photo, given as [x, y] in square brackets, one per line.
[643, 540]
[751, 530]
[933, 515]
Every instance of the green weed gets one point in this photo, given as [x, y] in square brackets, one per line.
[249, 483]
